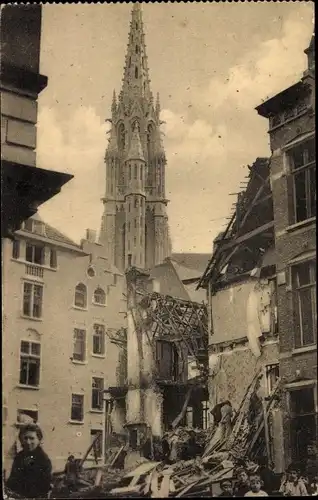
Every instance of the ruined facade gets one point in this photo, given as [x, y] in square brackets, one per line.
[291, 115]
[62, 305]
[134, 226]
[241, 284]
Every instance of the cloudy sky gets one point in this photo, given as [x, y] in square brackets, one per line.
[212, 63]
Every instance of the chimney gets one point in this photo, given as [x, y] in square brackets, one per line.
[91, 235]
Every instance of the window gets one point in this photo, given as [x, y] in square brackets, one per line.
[133, 439]
[303, 167]
[141, 172]
[275, 120]
[99, 339]
[205, 414]
[32, 300]
[100, 296]
[121, 137]
[129, 172]
[38, 227]
[80, 296]
[272, 376]
[137, 49]
[135, 171]
[303, 424]
[189, 416]
[97, 393]
[53, 258]
[28, 225]
[167, 360]
[30, 363]
[79, 350]
[135, 223]
[77, 410]
[136, 71]
[305, 314]
[26, 416]
[97, 436]
[15, 249]
[273, 305]
[34, 254]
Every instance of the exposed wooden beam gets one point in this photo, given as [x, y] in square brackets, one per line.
[259, 230]
[251, 206]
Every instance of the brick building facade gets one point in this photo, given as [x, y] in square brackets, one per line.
[291, 115]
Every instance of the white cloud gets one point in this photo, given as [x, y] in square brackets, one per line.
[76, 146]
[266, 69]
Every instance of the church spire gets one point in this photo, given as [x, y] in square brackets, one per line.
[136, 75]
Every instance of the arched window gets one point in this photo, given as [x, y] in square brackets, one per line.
[136, 71]
[150, 133]
[129, 172]
[100, 296]
[121, 137]
[134, 125]
[137, 49]
[135, 172]
[141, 172]
[80, 296]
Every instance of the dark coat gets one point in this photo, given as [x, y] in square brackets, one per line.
[31, 474]
[241, 489]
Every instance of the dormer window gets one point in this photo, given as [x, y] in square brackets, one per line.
[28, 225]
[38, 227]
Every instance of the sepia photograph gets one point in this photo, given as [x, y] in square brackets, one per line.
[158, 215]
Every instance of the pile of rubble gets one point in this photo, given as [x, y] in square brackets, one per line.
[218, 451]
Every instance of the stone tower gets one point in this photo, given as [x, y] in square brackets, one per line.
[134, 226]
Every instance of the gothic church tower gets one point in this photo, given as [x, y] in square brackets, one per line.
[134, 224]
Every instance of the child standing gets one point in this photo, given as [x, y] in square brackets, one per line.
[256, 487]
[227, 488]
[293, 486]
[242, 486]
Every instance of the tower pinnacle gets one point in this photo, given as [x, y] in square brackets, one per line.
[136, 75]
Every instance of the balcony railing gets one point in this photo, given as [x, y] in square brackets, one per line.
[34, 270]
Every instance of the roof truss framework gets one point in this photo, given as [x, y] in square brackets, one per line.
[235, 235]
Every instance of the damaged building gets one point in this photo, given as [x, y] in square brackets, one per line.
[263, 274]
[291, 115]
[242, 296]
[166, 345]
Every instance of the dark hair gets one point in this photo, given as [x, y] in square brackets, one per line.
[30, 428]
[223, 481]
[240, 470]
[255, 474]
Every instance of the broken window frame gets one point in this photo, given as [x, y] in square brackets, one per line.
[30, 362]
[97, 393]
[79, 345]
[77, 405]
[306, 169]
[271, 377]
[299, 298]
[206, 419]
